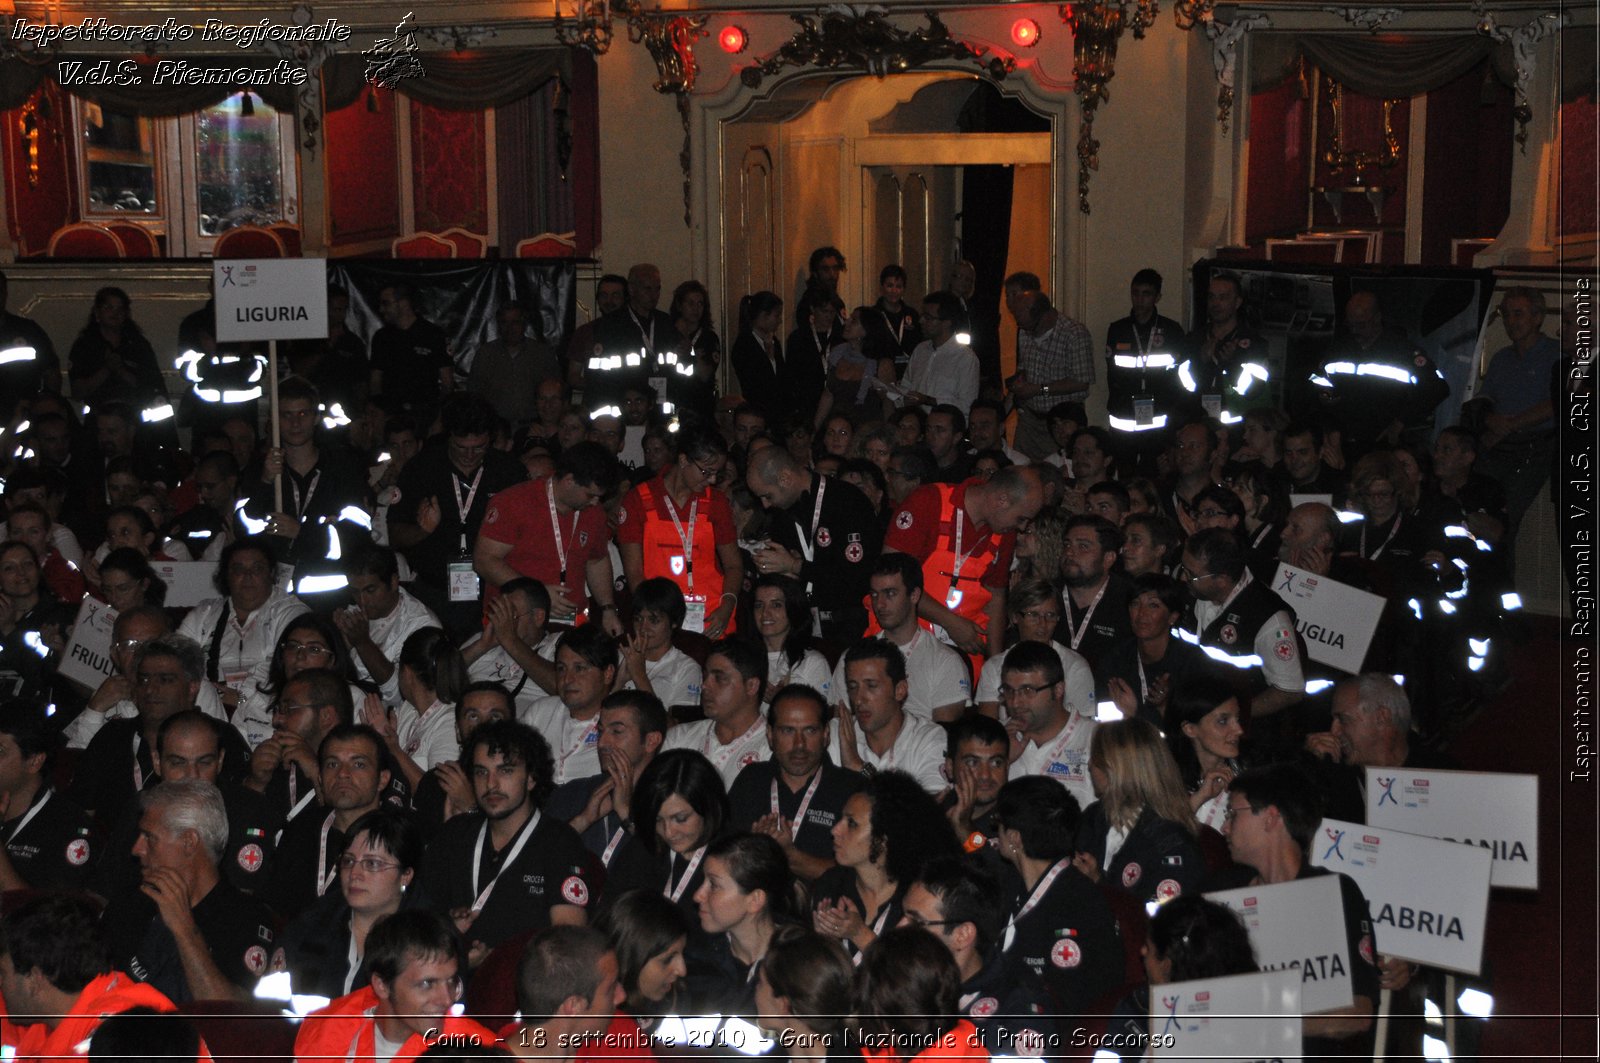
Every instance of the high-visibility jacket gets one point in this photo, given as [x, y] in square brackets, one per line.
[108, 995]
[346, 1029]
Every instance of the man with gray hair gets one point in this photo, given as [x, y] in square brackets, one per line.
[187, 932]
[567, 991]
[1371, 729]
[165, 677]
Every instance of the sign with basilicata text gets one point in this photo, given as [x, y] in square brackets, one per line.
[1336, 620]
[86, 660]
[270, 298]
[1496, 811]
[1299, 925]
[1242, 1016]
[1429, 899]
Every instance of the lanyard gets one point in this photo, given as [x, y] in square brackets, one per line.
[300, 507]
[1199, 628]
[649, 334]
[899, 331]
[138, 773]
[1144, 685]
[1145, 348]
[299, 806]
[685, 537]
[352, 959]
[1033, 901]
[675, 892]
[511, 857]
[583, 740]
[720, 757]
[464, 499]
[808, 547]
[962, 559]
[805, 803]
[1395, 530]
[611, 846]
[325, 874]
[34, 811]
[1083, 628]
[555, 529]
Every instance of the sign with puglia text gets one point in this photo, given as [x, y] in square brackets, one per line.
[270, 298]
[1336, 620]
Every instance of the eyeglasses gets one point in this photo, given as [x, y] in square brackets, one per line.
[916, 920]
[1211, 513]
[1183, 573]
[1040, 614]
[707, 473]
[1234, 810]
[128, 644]
[1026, 690]
[370, 864]
[310, 649]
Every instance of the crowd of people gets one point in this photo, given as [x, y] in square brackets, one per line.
[820, 706]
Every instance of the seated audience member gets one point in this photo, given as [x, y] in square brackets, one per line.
[733, 734]
[653, 664]
[885, 836]
[514, 648]
[59, 971]
[310, 641]
[649, 934]
[33, 624]
[212, 522]
[1372, 728]
[1095, 596]
[1035, 610]
[1264, 506]
[600, 806]
[421, 733]
[1205, 731]
[127, 581]
[407, 1005]
[383, 617]
[586, 669]
[748, 892]
[802, 994]
[113, 699]
[1060, 928]
[240, 629]
[1148, 540]
[680, 807]
[30, 523]
[1139, 836]
[446, 790]
[45, 839]
[324, 948]
[1054, 741]
[1108, 499]
[795, 796]
[783, 623]
[1038, 553]
[908, 996]
[875, 730]
[511, 868]
[284, 766]
[1139, 674]
[568, 990]
[188, 932]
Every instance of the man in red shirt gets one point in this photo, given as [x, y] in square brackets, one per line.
[680, 526]
[965, 533]
[553, 530]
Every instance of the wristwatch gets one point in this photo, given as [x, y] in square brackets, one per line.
[1045, 390]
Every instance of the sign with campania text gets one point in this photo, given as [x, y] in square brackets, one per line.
[1336, 620]
[1429, 898]
[1493, 810]
[1299, 925]
[271, 298]
[1242, 1016]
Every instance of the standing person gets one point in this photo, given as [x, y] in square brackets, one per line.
[893, 328]
[445, 494]
[758, 358]
[1380, 387]
[943, 370]
[695, 353]
[1226, 356]
[411, 364]
[824, 533]
[630, 343]
[680, 526]
[805, 361]
[507, 371]
[111, 359]
[25, 375]
[1055, 363]
[553, 529]
[1141, 368]
[610, 295]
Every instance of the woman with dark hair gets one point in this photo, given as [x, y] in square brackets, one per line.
[127, 580]
[758, 355]
[1140, 836]
[1139, 674]
[111, 359]
[1204, 730]
[1059, 928]
[679, 807]
[802, 995]
[907, 997]
[783, 620]
[240, 629]
[884, 837]
[132, 527]
[324, 947]
[696, 347]
[650, 661]
[649, 934]
[1264, 506]
[1190, 938]
[748, 892]
[421, 733]
[310, 641]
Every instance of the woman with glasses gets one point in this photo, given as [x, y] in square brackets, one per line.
[1205, 729]
[127, 580]
[1138, 675]
[324, 948]
[884, 836]
[1036, 610]
[803, 996]
[1140, 836]
[680, 527]
[310, 641]
[783, 620]
[1383, 534]
[748, 892]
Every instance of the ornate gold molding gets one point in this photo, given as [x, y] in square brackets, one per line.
[1096, 29]
[1338, 158]
[860, 38]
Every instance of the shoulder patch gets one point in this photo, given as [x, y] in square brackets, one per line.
[255, 959]
[1066, 953]
[1130, 874]
[622, 514]
[1167, 889]
[1284, 650]
[575, 891]
[903, 520]
[251, 857]
[78, 852]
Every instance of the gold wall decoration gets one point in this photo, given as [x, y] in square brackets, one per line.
[862, 39]
[1342, 155]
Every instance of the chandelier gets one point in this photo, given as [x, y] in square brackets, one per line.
[33, 53]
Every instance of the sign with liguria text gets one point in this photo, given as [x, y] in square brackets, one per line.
[270, 298]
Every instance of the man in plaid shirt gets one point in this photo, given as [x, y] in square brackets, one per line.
[1055, 362]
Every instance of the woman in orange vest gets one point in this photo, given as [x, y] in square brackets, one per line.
[907, 997]
[679, 526]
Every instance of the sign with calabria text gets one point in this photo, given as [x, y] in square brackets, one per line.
[1429, 899]
[1497, 811]
[1299, 925]
[271, 298]
[1243, 1016]
[1336, 620]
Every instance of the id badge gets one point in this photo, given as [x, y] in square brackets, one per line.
[463, 581]
[952, 600]
[1144, 411]
[694, 615]
[1213, 405]
[658, 384]
[235, 682]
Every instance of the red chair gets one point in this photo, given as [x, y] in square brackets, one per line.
[289, 235]
[251, 1031]
[423, 245]
[1214, 850]
[547, 245]
[491, 995]
[468, 245]
[136, 240]
[1133, 927]
[248, 241]
[84, 239]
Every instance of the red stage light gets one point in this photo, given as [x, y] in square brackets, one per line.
[733, 39]
[1025, 33]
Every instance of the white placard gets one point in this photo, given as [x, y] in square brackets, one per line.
[1301, 500]
[188, 582]
[86, 660]
[271, 298]
[1497, 811]
[1336, 620]
[1299, 924]
[1244, 1016]
[1429, 899]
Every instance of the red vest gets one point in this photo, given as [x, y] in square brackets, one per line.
[962, 1042]
[663, 551]
[346, 1028]
[108, 995]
